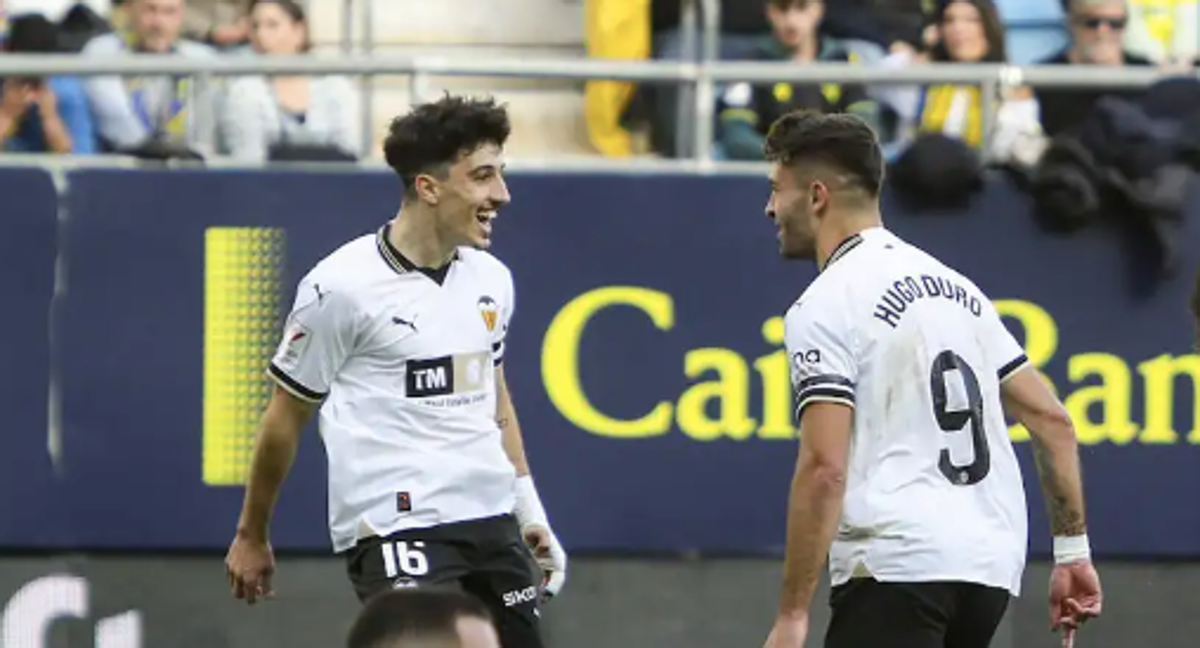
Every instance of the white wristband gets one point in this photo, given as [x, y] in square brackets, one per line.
[1071, 548]
[529, 508]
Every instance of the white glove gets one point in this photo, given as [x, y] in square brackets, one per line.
[535, 529]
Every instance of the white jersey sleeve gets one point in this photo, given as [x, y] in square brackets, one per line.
[1005, 352]
[820, 343]
[506, 308]
[318, 336]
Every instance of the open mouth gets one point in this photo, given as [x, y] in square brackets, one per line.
[485, 217]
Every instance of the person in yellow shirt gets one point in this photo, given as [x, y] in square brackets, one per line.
[1163, 31]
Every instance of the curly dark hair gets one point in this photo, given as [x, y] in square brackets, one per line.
[435, 135]
[840, 140]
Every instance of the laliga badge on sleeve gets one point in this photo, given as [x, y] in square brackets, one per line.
[805, 364]
[296, 338]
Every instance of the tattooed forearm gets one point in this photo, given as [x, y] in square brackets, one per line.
[1062, 490]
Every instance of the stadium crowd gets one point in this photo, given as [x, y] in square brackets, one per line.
[256, 119]
[251, 119]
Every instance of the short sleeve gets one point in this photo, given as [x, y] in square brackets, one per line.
[506, 308]
[1002, 348]
[317, 338]
[823, 359]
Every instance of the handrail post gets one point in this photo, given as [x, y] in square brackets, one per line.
[686, 91]
[347, 26]
[705, 88]
[367, 81]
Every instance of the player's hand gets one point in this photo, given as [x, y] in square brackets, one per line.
[550, 556]
[250, 565]
[1075, 597]
[789, 632]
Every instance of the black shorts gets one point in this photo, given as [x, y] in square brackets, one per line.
[869, 614]
[486, 558]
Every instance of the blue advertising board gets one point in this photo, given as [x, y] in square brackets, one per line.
[29, 222]
[645, 354]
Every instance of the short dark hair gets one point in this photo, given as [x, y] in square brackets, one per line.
[417, 614]
[32, 34]
[437, 134]
[840, 140]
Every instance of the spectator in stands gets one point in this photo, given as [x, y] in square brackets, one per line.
[747, 111]
[288, 117]
[220, 23]
[152, 116]
[743, 27]
[1164, 31]
[968, 31]
[1097, 32]
[42, 115]
[903, 24]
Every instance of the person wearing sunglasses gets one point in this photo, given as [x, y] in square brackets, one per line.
[1097, 29]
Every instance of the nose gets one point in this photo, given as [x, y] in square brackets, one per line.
[500, 194]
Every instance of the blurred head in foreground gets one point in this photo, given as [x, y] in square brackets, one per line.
[423, 618]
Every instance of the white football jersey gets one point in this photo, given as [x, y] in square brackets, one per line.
[404, 366]
[933, 491]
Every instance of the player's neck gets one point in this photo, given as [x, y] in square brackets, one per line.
[415, 235]
[843, 229]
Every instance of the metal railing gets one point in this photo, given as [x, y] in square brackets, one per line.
[702, 76]
[700, 21]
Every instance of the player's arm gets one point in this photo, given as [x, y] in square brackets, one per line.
[529, 511]
[815, 502]
[274, 452]
[316, 341]
[510, 429]
[1028, 399]
[820, 344]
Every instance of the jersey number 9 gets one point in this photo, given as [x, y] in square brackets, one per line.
[953, 420]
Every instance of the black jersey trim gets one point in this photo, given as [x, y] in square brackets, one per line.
[293, 386]
[401, 264]
[1013, 367]
[842, 250]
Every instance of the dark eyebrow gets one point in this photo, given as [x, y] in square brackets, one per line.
[488, 167]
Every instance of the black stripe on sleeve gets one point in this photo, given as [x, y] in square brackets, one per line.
[293, 386]
[826, 388]
[1011, 368]
[823, 396]
[832, 380]
[497, 346]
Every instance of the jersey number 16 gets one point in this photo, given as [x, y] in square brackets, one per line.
[953, 420]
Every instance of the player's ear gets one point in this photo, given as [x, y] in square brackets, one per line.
[428, 188]
[818, 196]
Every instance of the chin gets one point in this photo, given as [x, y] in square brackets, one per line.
[800, 252]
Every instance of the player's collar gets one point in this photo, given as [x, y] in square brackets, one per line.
[396, 260]
[842, 250]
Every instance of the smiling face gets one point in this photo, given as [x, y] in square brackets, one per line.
[469, 194]
[794, 206]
